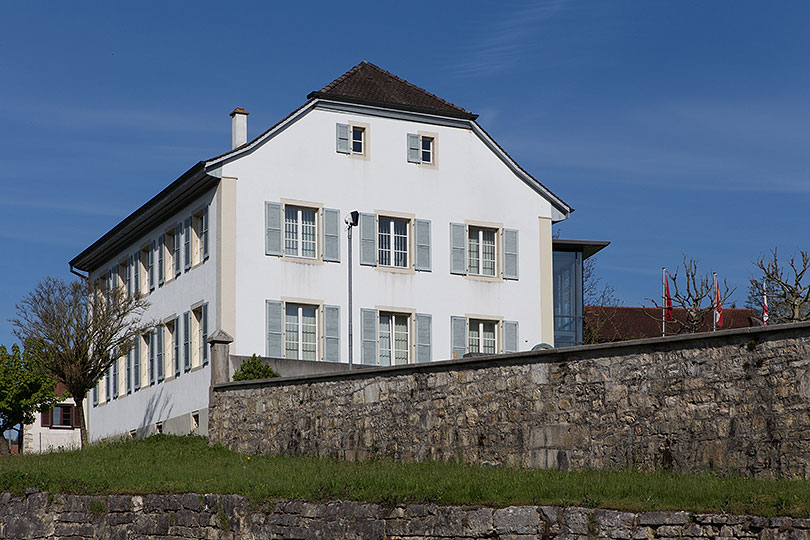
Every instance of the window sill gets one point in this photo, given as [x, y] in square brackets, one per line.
[396, 269]
[489, 279]
[302, 260]
[63, 428]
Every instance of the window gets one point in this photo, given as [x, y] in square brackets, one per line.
[199, 236]
[421, 148]
[62, 416]
[174, 344]
[160, 331]
[124, 278]
[115, 378]
[482, 336]
[136, 362]
[392, 242]
[300, 232]
[177, 239]
[358, 140]
[352, 139]
[387, 241]
[152, 348]
[301, 332]
[170, 250]
[395, 342]
[481, 251]
[145, 270]
[187, 244]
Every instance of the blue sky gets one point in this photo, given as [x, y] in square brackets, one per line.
[671, 127]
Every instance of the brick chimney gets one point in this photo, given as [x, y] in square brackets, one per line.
[239, 127]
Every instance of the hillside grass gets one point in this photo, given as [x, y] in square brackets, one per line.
[166, 464]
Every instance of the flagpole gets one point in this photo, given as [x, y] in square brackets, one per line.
[714, 303]
[663, 301]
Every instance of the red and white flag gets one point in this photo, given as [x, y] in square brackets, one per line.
[718, 309]
[667, 300]
[764, 304]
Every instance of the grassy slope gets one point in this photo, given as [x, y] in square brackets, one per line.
[164, 464]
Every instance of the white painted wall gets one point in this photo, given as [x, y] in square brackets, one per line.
[38, 439]
[174, 396]
[469, 183]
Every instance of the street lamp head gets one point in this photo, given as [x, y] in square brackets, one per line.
[352, 218]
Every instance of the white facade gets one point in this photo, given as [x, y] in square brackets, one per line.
[281, 290]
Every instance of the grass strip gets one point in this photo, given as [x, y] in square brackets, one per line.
[166, 464]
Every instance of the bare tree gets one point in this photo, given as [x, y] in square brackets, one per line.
[79, 329]
[788, 297]
[599, 299]
[692, 294]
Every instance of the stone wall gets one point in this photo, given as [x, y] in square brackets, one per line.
[40, 515]
[734, 400]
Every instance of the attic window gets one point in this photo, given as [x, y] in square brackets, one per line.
[358, 140]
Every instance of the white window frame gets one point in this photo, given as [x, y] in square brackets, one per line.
[299, 330]
[392, 341]
[391, 250]
[431, 150]
[476, 230]
[300, 209]
[363, 130]
[479, 325]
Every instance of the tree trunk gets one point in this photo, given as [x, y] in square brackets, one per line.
[82, 425]
[20, 433]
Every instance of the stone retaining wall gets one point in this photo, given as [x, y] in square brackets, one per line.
[39, 515]
[734, 400]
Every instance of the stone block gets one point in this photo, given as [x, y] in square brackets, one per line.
[664, 518]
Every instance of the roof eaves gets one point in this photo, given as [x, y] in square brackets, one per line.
[85, 260]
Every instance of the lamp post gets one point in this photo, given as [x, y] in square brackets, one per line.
[351, 220]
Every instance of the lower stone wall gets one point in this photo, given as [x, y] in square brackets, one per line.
[40, 515]
[736, 400]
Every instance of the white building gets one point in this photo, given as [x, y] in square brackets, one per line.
[55, 429]
[453, 252]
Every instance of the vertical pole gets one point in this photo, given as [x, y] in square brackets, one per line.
[663, 301]
[714, 303]
[351, 350]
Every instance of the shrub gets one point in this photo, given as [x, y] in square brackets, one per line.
[253, 368]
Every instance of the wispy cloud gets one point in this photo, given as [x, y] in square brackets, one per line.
[508, 38]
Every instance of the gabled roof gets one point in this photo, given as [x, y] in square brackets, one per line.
[368, 84]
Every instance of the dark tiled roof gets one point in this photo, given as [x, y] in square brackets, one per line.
[368, 84]
[609, 324]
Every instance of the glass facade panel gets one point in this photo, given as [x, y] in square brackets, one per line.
[567, 298]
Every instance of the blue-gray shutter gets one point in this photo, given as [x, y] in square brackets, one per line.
[331, 235]
[107, 391]
[129, 371]
[368, 237]
[136, 364]
[129, 276]
[160, 359]
[136, 274]
[205, 233]
[187, 244]
[510, 254]
[95, 395]
[458, 234]
[272, 228]
[160, 260]
[342, 140]
[152, 339]
[510, 336]
[275, 329]
[368, 336]
[204, 328]
[186, 341]
[331, 333]
[458, 337]
[115, 378]
[176, 345]
[422, 261]
[413, 148]
[178, 232]
[424, 337]
[151, 259]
